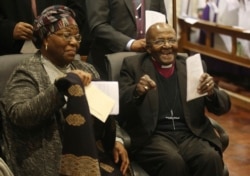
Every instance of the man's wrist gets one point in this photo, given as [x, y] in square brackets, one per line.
[118, 139]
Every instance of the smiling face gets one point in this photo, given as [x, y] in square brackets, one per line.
[62, 45]
[162, 43]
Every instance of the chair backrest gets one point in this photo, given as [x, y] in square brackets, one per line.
[7, 65]
[114, 63]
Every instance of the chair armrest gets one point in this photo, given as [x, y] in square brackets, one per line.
[134, 169]
[224, 138]
[137, 170]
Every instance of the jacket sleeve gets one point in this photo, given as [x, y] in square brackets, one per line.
[219, 103]
[29, 104]
[100, 18]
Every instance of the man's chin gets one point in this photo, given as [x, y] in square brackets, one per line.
[167, 58]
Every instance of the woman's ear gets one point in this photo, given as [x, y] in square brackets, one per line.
[45, 43]
[148, 48]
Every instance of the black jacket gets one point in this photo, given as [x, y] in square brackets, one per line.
[140, 116]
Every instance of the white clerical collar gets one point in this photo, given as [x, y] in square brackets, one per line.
[166, 66]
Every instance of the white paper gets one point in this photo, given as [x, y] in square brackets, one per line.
[153, 17]
[100, 104]
[194, 72]
[191, 20]
[28, 47]
[111, 89]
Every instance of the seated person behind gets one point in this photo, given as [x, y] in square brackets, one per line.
[16, 18]
[169, 135]
[117, 26]
[41, 109]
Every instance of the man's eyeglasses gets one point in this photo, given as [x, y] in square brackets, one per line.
[161, 42]
[67, 36]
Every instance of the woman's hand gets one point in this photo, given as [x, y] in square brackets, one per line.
[84, 76]
[120, 154]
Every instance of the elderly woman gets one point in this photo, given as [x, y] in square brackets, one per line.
[47, 125]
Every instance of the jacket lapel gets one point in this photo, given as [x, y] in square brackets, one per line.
[182, 80]
[130, 7]
[147, 4]
[129, 4]
[153, 98]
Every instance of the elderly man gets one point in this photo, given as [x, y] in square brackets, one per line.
[169, 135]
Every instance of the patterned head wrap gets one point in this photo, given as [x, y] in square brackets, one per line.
[51, 20]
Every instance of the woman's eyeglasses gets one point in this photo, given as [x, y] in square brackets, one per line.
[67, 36]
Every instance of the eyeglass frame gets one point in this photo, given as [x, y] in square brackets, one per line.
[161, 42]
[69, 37]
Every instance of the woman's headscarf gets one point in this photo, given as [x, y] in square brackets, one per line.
[51, 20]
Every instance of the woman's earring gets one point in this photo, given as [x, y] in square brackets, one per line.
[46, 46]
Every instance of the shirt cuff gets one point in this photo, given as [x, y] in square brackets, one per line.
[118, 139]
[128, 46]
